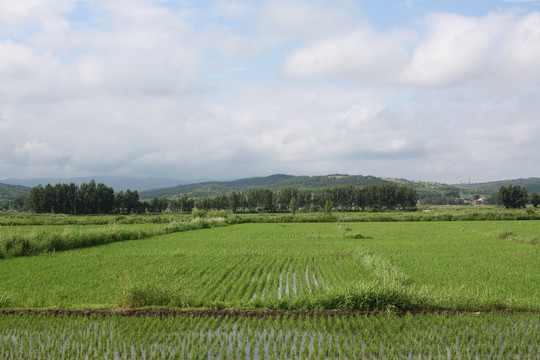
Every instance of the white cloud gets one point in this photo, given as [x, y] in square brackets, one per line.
[449, 50]
[362, 55]
[232, 9]
[500, 49]
[33, 11]
[296, 19]
[456, 48]
[23, 71]
[34, 152]
[145, 49]
[520, 52]
[319, 91]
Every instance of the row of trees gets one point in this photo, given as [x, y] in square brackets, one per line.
[344, 198]
[514, 197]
[92, 198]
[183, 204]
[89, 198]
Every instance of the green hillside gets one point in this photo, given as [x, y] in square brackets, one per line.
[317, 182]
[215, 187]
[267, 181]
[10, 192]
[531, 184]
[279, 181]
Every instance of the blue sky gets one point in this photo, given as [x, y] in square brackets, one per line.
[396, 13]
[417, 89]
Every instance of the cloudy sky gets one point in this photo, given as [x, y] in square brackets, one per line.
[417, 89]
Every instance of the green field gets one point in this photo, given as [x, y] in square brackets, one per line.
[425, 213]
[402, 265]
[473, 285]
[11, 230]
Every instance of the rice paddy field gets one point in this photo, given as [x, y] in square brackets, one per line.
[437, 289]
[431, 336]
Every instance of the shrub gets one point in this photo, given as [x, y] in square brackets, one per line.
[217, 214]
[508, 235]
[378, 296]
[343, 228]
[17, 245]
[136, 295]
[233, 220]
[357, 235]
[198, 213]
[503, 234]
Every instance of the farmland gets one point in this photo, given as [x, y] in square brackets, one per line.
[443, 271]
[483, 336]
[447, 265]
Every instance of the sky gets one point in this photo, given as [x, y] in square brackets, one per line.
[417, 89]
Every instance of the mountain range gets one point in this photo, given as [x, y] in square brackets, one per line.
[158, 187]
[531, 184]
[279, 181]
[10, 192]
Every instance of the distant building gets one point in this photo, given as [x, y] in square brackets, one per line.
[479, 201]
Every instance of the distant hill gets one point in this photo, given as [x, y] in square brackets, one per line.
[10, 192]
[157, 187]
[279, 181]
[211, 188]
[531, 184]
[318, 182]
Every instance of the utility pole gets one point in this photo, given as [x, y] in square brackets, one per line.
[470, 190]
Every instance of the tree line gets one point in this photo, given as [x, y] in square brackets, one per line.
[89, 198]
[92, 198]
[343, 198]
[515, 197]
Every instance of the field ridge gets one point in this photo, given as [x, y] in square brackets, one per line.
[249, 313]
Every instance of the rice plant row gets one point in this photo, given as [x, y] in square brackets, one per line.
[394, 266]
[437, 336]
[255, 280]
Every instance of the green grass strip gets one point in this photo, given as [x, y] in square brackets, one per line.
[16, 244]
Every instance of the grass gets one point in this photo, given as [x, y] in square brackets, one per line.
[18, 241]
[299, 288]
[505, 234]
[5, 300]
[424, 213]
[291, 266]
[136, 295]
[39, 241]
[461, 266]
[25, 219]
